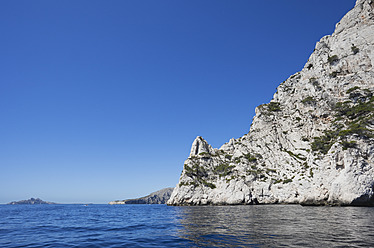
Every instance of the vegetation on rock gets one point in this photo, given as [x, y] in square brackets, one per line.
[351, 118]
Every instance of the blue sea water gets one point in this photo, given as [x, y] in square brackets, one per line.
[198, 226]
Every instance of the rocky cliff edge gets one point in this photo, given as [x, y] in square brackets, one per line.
[313, 144]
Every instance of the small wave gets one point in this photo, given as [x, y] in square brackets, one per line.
[162, 226]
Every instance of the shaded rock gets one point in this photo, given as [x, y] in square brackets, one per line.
[158, 197]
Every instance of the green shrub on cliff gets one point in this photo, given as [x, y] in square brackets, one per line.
[274, 106]
[332, 59]
[223, 169]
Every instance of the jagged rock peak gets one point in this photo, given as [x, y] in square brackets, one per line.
[312, 144]
[200, 146]
[361, 14]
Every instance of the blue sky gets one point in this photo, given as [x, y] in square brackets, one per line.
[101, 100]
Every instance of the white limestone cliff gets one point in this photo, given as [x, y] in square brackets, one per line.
[312, 144]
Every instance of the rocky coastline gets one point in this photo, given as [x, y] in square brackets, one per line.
[158, 197]
[313, 144]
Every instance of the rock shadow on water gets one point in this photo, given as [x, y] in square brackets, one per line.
[275, 226]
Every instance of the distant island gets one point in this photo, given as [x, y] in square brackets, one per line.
[158, 197]
[31, 201]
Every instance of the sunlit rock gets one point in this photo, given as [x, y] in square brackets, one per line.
[313, 144]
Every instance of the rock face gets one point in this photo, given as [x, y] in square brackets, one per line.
[158, 197]
[313, 144]
[30, 201]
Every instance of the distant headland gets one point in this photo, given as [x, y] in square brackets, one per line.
[158, 197]
[31, 201]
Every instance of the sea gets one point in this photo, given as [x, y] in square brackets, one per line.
[195, 226]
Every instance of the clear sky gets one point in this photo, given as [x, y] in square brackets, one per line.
[101, 100]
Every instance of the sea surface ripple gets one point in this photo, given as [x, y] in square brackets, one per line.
[198, 226]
